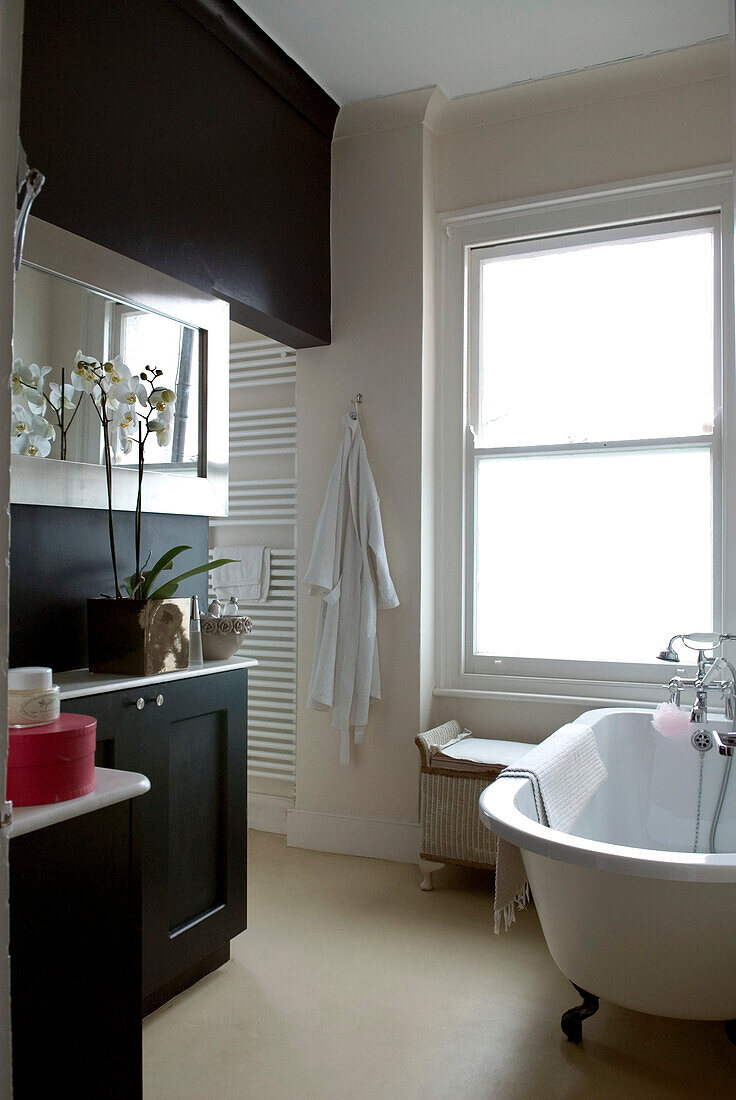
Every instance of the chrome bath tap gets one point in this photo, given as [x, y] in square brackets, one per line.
[714, 673]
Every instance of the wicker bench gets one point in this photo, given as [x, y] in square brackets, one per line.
[456, 768]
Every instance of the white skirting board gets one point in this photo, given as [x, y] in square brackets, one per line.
[353, 836]
[267, 812]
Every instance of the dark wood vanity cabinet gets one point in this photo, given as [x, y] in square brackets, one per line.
[188, 736]
[75, 947]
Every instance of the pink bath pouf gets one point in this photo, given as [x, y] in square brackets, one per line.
[671, 721]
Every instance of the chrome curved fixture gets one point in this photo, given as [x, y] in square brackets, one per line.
[29, 181]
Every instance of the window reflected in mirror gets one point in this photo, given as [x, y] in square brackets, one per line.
[55, 318]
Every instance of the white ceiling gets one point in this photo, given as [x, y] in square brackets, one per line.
[358, 49]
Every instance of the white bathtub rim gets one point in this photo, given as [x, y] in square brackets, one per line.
[498, 813]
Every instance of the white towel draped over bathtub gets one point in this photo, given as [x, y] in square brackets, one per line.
[564, 771]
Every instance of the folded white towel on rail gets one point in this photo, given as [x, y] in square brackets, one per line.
[564, 771]
[248, 578]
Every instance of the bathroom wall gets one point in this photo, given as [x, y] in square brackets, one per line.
[380, 169]
[630, 120]
[666, 113]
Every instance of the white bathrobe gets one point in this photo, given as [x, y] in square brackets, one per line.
[352, 584]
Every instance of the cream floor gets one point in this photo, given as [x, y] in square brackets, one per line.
[352, 984]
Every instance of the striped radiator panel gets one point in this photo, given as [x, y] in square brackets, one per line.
[263, 432]
[261, 363]
[263, 510]
[264, 501]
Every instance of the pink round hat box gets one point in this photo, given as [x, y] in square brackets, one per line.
[53, 762]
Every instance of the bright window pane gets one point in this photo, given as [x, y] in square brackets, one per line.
[604, 341]
[584, 557]
[147, 339]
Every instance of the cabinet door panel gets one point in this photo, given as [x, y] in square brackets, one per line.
[197, 739]
[197, 818]
[119, 727]
[191, 824]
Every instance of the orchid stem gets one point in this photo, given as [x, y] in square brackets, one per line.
[108, 475]
[61, 414]
[138, 509]
[71, 421]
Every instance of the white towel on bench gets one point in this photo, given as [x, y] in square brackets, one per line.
[564, 771]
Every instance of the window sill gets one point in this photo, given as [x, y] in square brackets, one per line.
[587, 695]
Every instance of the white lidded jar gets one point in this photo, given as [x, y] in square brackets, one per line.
[33, 698]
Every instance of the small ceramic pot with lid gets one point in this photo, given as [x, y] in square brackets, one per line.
[33, 698]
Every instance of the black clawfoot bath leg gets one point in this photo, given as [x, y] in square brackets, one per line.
[730, 1029]
[572, 1020]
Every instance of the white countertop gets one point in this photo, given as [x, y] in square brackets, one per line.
[111, 786]
[81, 682]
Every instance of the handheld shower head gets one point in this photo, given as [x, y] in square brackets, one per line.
[669, 654]
[698, 642]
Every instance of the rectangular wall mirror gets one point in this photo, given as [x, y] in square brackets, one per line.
[72, 296]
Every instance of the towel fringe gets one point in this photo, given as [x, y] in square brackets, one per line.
[520, 901]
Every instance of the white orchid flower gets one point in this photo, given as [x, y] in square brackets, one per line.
[86, 373]
[162, 428]
[90, 360]
[162, 400]
[124, 441]
[129, 391]
[115, 380]
[20, 377]
[31, 401]
[123, 418]
[30, 443]
[27, 381]
[61, 395]
[40, 373]
[33, 375]
[22, 419]
[116, 371]
[165, 415]
[26, 422]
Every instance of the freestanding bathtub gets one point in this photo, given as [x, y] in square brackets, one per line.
[629, 912]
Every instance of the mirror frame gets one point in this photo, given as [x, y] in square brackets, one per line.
[82, 485]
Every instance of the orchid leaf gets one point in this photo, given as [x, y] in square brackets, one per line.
[166, 561]
[131, 588]
[165, 591]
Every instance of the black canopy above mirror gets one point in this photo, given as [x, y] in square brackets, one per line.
[178, 134]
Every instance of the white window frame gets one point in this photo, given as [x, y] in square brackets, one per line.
[592, 213]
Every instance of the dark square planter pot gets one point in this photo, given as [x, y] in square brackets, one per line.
[138, 637]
